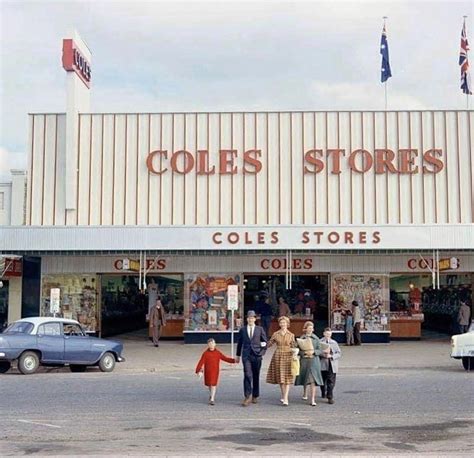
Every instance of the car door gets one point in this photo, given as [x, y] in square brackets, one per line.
[77, 347]
[50, 342]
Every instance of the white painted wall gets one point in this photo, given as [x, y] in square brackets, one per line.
[5, 204]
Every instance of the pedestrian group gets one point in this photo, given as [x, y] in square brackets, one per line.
[306, 361]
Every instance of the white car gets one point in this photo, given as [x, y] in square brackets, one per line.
[462, 347]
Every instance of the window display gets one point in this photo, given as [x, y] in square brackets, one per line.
[78, 299]
[370, 291]
[206, 297]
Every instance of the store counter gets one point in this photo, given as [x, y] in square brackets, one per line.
[404, 326]
[173, 329]
[296, 325]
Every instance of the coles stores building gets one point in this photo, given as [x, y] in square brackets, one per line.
[316, 208]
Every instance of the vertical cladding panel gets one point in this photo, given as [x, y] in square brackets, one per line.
[36, 197]
[166, 190]
[350, 182]
[190, 197]
[213, 146]
[118, 216]
[237, 183]
[155, 139]
[369, 195]
[333, 178]
[84, 170]
[29, 182]
[49, 170]
[355, 180]
[452, 168]
[393, 183]
[96, 166]
[471, 154]
[249, 181]
[274, 168]
[465, 160]
[60, 197]
[417, 195]
[380, 178]
[202, 196]
[108, 169]
[131, 170]
[142, 171]
[262, 185]
[178, 185]
[429, 185]
[322, 192]
[285, 167]
[226, 181]
[309, 183]
[406, 179]
[297, 177]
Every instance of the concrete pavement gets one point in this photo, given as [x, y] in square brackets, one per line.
[142, 356]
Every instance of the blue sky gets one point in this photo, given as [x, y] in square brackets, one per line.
[197, 56]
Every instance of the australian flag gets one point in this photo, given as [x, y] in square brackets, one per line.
[385, 72]
[464, 63]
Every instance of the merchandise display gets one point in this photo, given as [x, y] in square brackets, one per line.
[206, 308]
[78, 299]
[371, 293]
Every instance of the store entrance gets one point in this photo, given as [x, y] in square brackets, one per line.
[307, 299]
[413, 294]
[3, 305]
[125, 307]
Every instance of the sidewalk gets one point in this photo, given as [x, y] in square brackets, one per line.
[142, 356]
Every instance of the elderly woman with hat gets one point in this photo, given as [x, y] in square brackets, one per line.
[279, 371]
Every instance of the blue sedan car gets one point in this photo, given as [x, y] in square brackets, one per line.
[50, 341]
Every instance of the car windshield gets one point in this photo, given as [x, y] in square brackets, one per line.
[20, 327]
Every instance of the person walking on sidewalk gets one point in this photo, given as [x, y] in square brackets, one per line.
[464, 317]
[329, 365]
[357, 318]
[210, 361]
[157, 321]
[251, 346]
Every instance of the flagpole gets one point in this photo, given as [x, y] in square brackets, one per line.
[385, 83]
[467, 95]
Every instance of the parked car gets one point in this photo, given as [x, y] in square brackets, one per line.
[462, 347]
[55, 342]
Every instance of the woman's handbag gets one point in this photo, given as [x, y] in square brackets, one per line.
[295, 367]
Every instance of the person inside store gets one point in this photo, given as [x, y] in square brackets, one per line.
[279, 371]
[357, 318]
[283, 307]
[209, 364]
[157, 321]
[349, 328]
[265, 311]
[464, 317]
[329, 365]
[310, 365]
[251, 346]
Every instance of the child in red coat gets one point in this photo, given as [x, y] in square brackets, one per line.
[211, 360]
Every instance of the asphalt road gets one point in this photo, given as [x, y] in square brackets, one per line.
[376, 412]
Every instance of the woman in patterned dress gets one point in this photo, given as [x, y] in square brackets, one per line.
[279, 371]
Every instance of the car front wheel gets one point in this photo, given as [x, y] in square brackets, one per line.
[107, 362]
[77, 368]
[5, 366]
[28, 363]
[468, 363]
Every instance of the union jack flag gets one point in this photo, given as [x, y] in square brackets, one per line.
[464, 63]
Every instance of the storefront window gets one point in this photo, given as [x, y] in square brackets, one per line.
[125, 308]
[415, 294]
[371, 293]
[78, 299]
[206, 302]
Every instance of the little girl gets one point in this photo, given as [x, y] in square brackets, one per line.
[211, 359]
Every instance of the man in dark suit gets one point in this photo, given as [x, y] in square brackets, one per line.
[251, 345]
